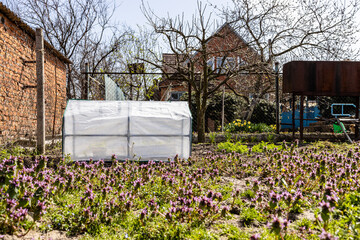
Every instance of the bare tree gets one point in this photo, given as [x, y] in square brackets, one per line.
[140, 44]
[283, 30]
[79, 29]
[271, 30]
[205, 59]
[298, 29]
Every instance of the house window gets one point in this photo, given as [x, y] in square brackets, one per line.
[229, 63]
[175, 96]
[241, 62]
[211, 64]
[224, 64]
[265, 97]
[219, 62]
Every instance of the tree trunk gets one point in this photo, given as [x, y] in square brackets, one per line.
[201, 124]
[200, 117]
[251, 109]
[70, 84]
[200, 111]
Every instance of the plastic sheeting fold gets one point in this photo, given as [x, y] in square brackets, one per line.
[112, 90]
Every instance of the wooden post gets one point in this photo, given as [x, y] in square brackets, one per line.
[357, 118]
[40, 106]
[301, 118]
[293, 115]
[277, 97]
[223, 110]
[189, 87]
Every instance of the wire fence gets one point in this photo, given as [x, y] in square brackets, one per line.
[321, 114]
[230, 113]
[227, 111]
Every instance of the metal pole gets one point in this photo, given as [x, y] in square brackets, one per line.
[189, 86]
[87, 81]
[40, 106]
[277, 97]
[131, 83]
[131, 89]
[223, 110]
[357, 118]
[301, 117]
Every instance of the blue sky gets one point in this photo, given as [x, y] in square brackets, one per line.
[129, 13]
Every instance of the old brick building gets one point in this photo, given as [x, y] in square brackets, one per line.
[18, 81]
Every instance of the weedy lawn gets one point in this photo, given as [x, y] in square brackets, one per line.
[263, 192]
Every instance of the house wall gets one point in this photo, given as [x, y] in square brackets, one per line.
[168, 86]
[18, 85]
[226, 43]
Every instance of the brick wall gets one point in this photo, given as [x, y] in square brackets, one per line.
[18, 85]
[225, 43]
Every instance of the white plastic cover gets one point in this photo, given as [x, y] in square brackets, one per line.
[112, 90]
[129, 129]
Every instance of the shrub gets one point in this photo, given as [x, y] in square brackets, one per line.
[326, 102]
[232, 147]
[264, 112]
[262, 146]
[239, 125]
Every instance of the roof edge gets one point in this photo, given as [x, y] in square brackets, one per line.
[30, 31]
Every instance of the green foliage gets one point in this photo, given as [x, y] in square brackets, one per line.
[348, 215]
[244, 126]
[264, 112]
[228, 136]
[305, 224]
[14, 150]
[270, 137]
[201, 234]
[263, 127]
[212, 137]
[238, 147]
[232, 232]
[249, 194]
[233, 104]
[264, 146]
[232, 147]
[250, 215]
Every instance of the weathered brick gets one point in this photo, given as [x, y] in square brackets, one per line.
[17, 100]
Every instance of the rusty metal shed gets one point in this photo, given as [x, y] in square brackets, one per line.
[321, 78]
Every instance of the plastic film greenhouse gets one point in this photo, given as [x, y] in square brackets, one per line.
[129, 129]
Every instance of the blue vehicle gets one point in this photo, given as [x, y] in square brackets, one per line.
[309, 113]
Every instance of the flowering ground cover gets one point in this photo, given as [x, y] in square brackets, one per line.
[288, 192]
[239, 125]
